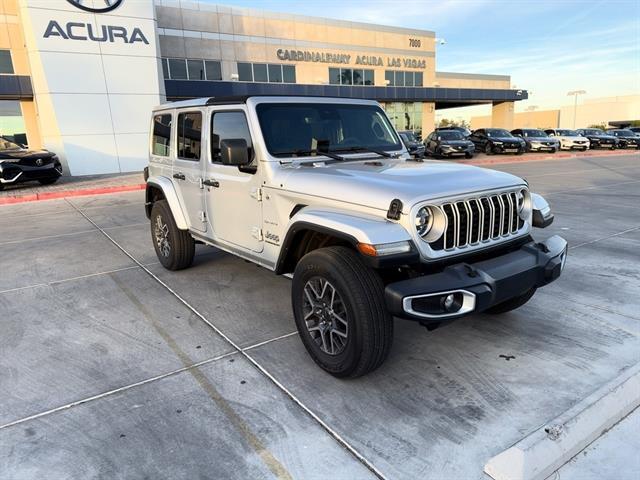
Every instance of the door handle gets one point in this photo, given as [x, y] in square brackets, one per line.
[211, 183]
[179, 176]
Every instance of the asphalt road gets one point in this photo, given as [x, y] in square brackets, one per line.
[111, 367]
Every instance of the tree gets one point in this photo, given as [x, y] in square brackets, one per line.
[601, 126]
[445, 122]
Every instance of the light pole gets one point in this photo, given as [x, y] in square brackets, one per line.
[575, 94]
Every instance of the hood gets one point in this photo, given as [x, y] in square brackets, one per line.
[541, 139]
[602, 135]
[505, 139]
[376, 185]
[571, 137]
[24, 154]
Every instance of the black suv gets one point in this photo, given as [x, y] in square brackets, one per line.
[413, 145]
[18, 165]
[598, 138]
[626, 138]
[496, 140]
[448, 143]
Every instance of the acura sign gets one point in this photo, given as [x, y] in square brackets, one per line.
[103, 5]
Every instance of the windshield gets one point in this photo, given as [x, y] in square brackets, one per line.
[568, 133]
[450, 135]
[6, 144]
[497, 133]
[533, 133]
[408, 137]
[624, 133]
[593, 131]
[295, 129]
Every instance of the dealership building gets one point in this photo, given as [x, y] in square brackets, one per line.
[79, 77]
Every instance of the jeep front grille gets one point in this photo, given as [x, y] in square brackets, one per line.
[476, 220]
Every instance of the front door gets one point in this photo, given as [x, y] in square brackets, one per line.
[233, 200]
[188, 168]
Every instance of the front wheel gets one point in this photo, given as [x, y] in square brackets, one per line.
[175, 248]
[339, 309]
[468, 155]
[487, 149]
[512, 303]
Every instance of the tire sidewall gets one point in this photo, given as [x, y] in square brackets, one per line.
[161, 209]
[348, 358]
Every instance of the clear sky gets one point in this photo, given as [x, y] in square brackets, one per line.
[549, 47]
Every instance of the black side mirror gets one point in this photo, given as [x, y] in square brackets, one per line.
[234, 151]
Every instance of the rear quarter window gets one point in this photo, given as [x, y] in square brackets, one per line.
[161, 136]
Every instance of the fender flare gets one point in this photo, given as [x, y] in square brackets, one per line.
[166, 186]
[349, 227]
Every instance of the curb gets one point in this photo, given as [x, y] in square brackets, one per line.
[71, 193]
[541, 158]
[541, 453]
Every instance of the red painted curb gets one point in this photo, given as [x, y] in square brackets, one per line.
[71, 193]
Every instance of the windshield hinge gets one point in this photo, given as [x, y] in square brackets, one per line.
[203, 216]
[256, 193]
[201, 183]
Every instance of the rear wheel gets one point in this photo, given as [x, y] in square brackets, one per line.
[339, 309]
[175, 248]
[512, 303]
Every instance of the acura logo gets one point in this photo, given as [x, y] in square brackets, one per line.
[39, 162]
[108, 5]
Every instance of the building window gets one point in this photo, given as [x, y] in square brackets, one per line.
[189, 135]
[403, 79]
[191, 69]
[6, 65]
[350, 76]
[12, 125]
[266, 72]
[161, 135]
[405, 115]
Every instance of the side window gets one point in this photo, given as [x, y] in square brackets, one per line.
[161, 142]
[228, 125]
[189, 135]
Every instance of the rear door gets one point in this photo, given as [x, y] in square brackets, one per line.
[188, 167]
[233, 194]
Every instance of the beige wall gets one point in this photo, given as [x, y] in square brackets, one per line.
[502, 115]
[12, 38]
[600, 110]
[463, 80]
[536, 119]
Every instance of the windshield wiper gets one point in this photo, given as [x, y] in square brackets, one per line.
[365, 149]
[313, 152]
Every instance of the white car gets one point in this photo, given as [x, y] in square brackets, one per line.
[569, 139]
[324, 191]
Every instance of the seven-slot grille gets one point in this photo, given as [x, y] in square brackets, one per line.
[481, 219]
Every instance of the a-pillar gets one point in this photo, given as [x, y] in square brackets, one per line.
[428, 118]
[502, 115]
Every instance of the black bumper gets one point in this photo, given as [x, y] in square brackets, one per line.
[489, 282]
[14, 173]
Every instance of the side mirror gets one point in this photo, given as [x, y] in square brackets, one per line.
[542, 216]
[234, 151]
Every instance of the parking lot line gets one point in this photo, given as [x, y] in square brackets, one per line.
[336, 436]
[9, 242]
[633, 229]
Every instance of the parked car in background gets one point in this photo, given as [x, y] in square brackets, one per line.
[598, 138]
[496, 140]
[626, 138]
[569, 139]
[635, 130]
[463, 130]
[448, 143]
[414, 146]
[536, 140]
[18, 164]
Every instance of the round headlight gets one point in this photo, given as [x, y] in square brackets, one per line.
[424, 221]
[520, 200]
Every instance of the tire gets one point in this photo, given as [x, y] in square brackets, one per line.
[520, 151]
[48, 181]
[554, 150]
[175, 248]
[353, 290]
[468, 155]
[584, 149]
[488, 150]
[512, 303]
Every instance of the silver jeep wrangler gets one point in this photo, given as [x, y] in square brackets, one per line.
[323, 190]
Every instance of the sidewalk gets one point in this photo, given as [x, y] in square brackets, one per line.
[72, 187]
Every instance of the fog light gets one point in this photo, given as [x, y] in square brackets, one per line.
[448, 301]
[451, 302]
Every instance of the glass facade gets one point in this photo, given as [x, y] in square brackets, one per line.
[403, 79]
[266, 72]
[350, 76]
[11, 121]
[191, 69]
[6, 64]
[405, 115]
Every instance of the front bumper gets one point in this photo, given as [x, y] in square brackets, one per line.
[11, 173]
[544, 148]
[480, 285]
[450, 151]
